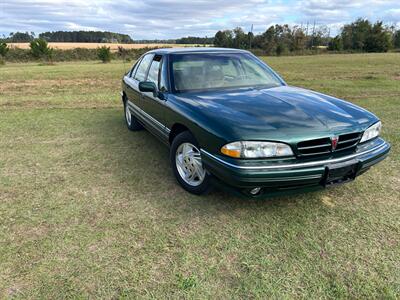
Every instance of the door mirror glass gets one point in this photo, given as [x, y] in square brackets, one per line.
[147, 87]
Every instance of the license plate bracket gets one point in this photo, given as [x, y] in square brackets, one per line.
[336, 174]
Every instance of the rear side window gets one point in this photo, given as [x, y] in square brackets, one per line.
[143, 67]
[134, 68]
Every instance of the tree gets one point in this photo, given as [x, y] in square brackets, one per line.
[122, 52]
[20, 37]
[378, 39]
[281, 49]
[195, 40]
[3, 49]
[362, 35]
[318, 37]
[268, 40]
[336, 44]
[86, 37]
[355, 34]
[40, 49]
[299, 39]
[279, 39]
[396, 39]
[104, 54]
[240, 40]
[224, 39]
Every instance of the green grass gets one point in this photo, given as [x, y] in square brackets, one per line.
[86, 212]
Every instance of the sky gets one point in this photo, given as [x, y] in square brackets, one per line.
[163, 19]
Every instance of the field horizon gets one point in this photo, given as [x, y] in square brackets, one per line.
[113, 46]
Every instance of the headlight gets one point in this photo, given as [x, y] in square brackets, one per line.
[372, 132]
[256, 149]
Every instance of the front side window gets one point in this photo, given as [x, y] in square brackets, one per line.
[208, 71]
[143, 67]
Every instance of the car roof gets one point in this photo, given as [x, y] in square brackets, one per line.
[196, 50]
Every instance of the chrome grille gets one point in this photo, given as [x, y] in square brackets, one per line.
[324, 145]
[347, 141]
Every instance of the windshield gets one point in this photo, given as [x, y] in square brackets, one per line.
[207, 71]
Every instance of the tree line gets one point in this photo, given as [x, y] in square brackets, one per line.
[98, 37]
[70, 37]
[18, 37]
[39, 50]
[195, 40]
[361, 35]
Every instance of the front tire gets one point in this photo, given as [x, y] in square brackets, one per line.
[131, 122]
[187, 165]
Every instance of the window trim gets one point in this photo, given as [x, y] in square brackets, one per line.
[163, 60]
[148, 70]
[164, 63]
[134, 68]
[159, 72]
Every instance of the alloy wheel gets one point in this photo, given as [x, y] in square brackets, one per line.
[128, 116]
[189, 164]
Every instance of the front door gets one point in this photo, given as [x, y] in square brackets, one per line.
[155, 105]
[138, 74]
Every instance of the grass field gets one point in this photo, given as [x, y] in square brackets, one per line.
[113, 46]
[89, 209]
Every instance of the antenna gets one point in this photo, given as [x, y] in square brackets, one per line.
[251, 35]
[313, 33]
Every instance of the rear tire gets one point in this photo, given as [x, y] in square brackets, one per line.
[131, 122]
[187, 165]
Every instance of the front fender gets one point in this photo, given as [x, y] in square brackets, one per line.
[208, 134]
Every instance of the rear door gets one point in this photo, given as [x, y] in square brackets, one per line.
[128, 80]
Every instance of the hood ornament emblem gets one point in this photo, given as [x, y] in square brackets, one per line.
[334, 141]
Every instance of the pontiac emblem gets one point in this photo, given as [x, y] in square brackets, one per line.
[334, 140]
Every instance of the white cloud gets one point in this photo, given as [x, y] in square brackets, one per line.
[175, 18]
[74, 26]
[393, 15]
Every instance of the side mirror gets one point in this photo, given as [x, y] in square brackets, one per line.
[147, 87]
[150, 87]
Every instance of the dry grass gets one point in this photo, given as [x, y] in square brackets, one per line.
[89, 209]
[114, 47]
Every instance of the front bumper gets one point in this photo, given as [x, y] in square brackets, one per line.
[275, 175]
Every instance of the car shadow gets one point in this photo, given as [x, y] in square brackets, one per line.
[140, 154]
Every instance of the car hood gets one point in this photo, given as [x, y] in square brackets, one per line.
[281, 113]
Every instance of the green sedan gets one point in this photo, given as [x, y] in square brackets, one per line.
[230, 120]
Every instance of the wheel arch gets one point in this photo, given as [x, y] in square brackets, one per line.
[124, 97]
[176, 129]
